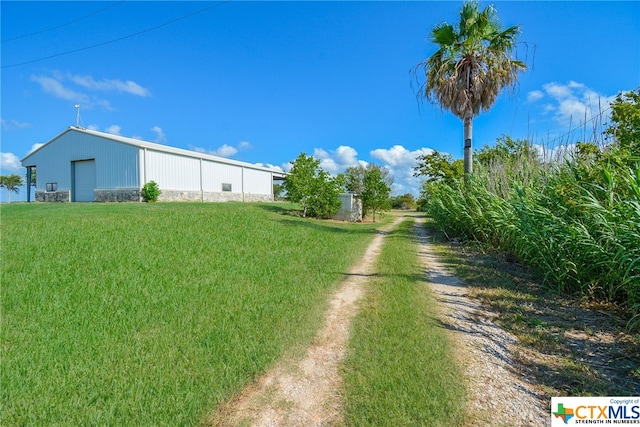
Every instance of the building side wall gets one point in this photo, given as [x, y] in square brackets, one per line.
[215, 174]
[116, 163]
[258, 182]
[173, 172]
[184, 178]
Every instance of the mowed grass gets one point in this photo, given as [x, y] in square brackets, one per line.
[399, 370]
[152, 314]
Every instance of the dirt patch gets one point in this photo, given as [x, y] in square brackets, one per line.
[305, 392]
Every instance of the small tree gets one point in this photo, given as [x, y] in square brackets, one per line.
[150, 192]
[436, 168]
[377, 187]
[324, 201]
[312, 187]
[353, 178]
[625, 117]
[300, 181]
[372, 183]
[12, 183]
[405, 201]
[439, 167]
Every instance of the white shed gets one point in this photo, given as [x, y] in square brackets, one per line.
[81, 165]
[350, 208]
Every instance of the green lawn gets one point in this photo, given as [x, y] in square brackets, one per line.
[152, 314]
[399, 369]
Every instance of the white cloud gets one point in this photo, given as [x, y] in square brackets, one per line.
[113, 129]
[535, 95]
[269, 166]
[60, 85]
[106, 85]
[401, 163]
[557, 91]
[14, 124]
[223, 151]
[93, 127]
[35, 146]
[161, 138]
[398, 160]
[398, 156]
[9, 162]
[226, 150]
[573, 102]
[336, 161]
[56, 88]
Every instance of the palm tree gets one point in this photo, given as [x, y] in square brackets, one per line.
[471, 66]
[11, 183]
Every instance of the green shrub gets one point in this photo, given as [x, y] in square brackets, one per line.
[150, 192]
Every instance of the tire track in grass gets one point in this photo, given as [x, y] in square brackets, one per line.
[305, 392]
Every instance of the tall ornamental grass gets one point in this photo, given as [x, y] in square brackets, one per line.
[576, 221]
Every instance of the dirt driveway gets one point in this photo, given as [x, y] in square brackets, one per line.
[305, 392]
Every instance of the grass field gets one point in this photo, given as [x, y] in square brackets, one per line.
[399, 370]
[152, 314]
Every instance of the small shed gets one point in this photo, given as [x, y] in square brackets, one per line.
[350, 208]
[81, 165]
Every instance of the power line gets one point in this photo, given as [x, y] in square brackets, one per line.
[120, 38]
[62, 25]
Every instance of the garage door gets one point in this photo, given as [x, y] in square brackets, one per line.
[84, 173]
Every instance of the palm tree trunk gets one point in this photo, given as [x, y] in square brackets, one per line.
[468, 153]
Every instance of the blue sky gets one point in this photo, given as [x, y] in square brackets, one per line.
[264, 81]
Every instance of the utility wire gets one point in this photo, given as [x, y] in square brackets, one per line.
[120, 38]
[62, 25]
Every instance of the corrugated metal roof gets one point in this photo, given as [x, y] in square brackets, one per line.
[157, 147]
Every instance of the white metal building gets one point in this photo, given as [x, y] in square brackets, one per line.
[81, 165]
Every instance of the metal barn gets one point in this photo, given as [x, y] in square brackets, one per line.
[81, 165]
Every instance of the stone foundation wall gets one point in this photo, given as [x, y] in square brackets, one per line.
[53, 196]
[197, 196]
[258, 198]
[119, 195]
[179, 196]
[134, 195]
